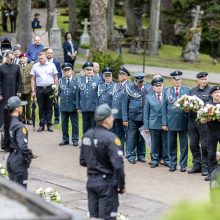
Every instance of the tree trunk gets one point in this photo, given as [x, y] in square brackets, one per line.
[166, 28]
[132, 28]
[98, 20]
[72, 16]
[24, 33]
[154, 27]
[110, 21]
[51, 6]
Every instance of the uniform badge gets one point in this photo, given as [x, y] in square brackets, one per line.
[118, 142]
[24, 131]
[86, 141]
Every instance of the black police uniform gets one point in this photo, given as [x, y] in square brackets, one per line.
[20, 155]
[198, 134]
[101, 155]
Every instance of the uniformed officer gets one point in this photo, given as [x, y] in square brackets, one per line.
[198, 131]
[25, 69]
[132, 115]
[105, 89]
[87, 95]
[175, 122]
[213, 128]
[118, 95]
[101, 154]
[67, 92]
[15, 141]
[153, 123]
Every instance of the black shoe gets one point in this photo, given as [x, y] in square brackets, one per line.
[166, 164]
[49, 128]
[75, 144]
[63, 143]
[194, 170]
[41, 128]
[132, 161]
[205, 173]
[29, 122]
[142, 160]
[56, 122]
[172, 169]
[183, 169]
[208, 178]
[154, 165]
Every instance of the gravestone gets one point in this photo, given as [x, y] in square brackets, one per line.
[193, 38]
[55, 39]
[85, 38]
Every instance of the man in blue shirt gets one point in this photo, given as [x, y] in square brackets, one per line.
[34, 49]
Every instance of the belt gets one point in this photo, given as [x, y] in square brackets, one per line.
[44, 87]
[100, 174]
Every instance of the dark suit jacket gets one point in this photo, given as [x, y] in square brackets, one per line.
[58, 66]
[67, 48]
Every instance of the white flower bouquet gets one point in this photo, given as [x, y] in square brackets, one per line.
[49, 194]
[189, 103]
[121, 217]
[3, 171]
[209, 113]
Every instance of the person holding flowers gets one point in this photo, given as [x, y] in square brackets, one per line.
[197, 130]
[213, 127]
[175, 120]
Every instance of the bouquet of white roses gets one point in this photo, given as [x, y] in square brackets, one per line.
[189, 103]
[49, 194]
[208, 113]
[3, 171]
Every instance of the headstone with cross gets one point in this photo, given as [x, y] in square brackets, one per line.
[85, 38]
[196, 14]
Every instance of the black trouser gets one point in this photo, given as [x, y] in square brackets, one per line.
[102, 197]
[88, 121]
[214, 138]
[45, 96]
[198, 135]
[17, 168]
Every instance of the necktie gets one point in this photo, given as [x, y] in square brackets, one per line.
[106, 85]
[88, 79]
[177, 91]
[158, 97]
[68, 81]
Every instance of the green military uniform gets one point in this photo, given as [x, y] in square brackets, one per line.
[26, 89]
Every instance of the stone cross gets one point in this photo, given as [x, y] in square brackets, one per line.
[196, 13]
[85, 23]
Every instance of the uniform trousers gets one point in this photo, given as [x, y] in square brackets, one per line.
[73, 116]
[214, 138]
[27, 109]
[121, 131]
[198, 135]
[45, 96]
[88, 121]
[135, 142]
[172, 148]
[102, 197]
[159, 146]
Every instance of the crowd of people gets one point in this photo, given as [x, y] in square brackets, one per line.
[144, 110]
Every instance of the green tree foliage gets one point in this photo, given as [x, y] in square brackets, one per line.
[106, 60]
[210, 21]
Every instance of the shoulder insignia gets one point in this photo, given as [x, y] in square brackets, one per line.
[86, 141]
[117, 142]
[24, 131]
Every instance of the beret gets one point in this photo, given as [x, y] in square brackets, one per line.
[213, 89]
[202, 74]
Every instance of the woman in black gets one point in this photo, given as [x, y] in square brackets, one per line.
[69, 49]
[15, 141]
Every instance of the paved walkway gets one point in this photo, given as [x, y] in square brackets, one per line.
[148, 190]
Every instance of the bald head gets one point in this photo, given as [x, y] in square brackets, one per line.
[49, 53]
[37, 40]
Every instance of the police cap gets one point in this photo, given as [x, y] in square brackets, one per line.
[87, 65]
[67, 66]
[158, 80]
[123, 70]
[107, 71]
[176, 74]
[213, 89]
[104, 111]
[15, 102]
[201, 75]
